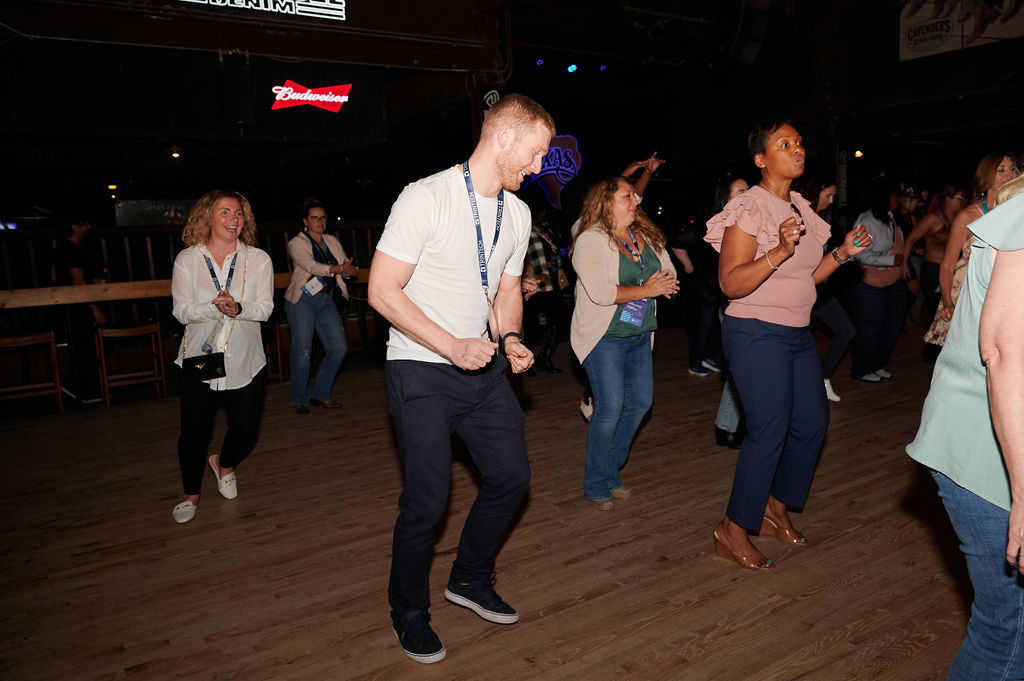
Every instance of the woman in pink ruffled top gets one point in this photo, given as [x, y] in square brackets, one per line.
[771, 243]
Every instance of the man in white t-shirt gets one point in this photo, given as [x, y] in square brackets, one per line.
[446, 271]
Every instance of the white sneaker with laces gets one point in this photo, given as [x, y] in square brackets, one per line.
[829, 392]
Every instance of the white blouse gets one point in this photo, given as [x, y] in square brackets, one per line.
[240, 339]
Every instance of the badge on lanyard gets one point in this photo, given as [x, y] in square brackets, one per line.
[634, 311]
[481, 258]
[207, 346]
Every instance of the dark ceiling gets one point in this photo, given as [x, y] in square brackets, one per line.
[110, 85]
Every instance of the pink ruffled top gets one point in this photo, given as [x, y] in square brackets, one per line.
[787, 296]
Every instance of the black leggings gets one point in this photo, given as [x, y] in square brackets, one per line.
[199, 407]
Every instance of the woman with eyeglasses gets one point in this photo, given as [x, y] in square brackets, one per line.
[771, 244]
[319, 265]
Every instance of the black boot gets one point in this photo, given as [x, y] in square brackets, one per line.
[546, 348]
[723, 438]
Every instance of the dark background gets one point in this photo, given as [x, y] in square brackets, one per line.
[97, 93]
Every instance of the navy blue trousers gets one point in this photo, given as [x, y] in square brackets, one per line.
[428, 404]
[778, 376]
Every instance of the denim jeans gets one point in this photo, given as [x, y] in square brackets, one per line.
[428, 402]
[622, 377]
[877, 313]
[994, 646]
[318, 314]
[729, 410]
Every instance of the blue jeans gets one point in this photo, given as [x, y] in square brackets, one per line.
[318, 314]
[994, 646]
[729, 410]
[778, 375]
[622, 377]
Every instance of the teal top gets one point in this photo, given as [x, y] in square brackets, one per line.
[956, 436]
[631, 275]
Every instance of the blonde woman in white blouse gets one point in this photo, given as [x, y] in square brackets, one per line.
[222, 288]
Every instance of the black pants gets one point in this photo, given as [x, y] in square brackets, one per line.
[548, 303]
[199, 407]
[428, 403]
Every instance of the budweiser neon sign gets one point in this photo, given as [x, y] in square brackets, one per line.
[292, 94]
[316, 9]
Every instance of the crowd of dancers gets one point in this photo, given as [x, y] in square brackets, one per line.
[448, 276]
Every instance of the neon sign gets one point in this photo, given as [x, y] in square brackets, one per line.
[558, 168]
[315, 9]
[292, 94]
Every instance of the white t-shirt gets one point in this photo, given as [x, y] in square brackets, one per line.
[431, 226]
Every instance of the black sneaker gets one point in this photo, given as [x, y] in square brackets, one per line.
[418, 640]
[480, 597]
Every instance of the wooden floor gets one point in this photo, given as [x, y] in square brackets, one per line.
[288, 582]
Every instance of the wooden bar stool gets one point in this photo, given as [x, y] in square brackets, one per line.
[51, 387]
[271, 332]
[149, 371]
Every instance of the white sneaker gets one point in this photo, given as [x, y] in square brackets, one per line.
[871, 377]
[882, 373]
[829, 392]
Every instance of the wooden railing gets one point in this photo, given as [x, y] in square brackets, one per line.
[130, 290]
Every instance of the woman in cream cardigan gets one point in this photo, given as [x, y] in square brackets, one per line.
[622, 265]
[319, 264]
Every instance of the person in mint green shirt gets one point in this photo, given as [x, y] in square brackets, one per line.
[971, 438]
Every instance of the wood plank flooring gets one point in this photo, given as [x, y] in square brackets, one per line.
[288, 582]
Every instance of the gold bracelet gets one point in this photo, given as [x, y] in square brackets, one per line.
[774, 267]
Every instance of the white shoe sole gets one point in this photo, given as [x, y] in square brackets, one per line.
[425, 659]
[489, 615]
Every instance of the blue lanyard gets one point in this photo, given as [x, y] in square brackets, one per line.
[481, 258]
[231, 272]
[635, 251]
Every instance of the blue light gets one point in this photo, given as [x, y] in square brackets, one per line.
[540, 62]
[572, 68]
[603, 67]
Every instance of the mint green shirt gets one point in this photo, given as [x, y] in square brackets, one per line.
[956, 436]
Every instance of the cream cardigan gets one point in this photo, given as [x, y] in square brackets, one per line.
[305, 266]
[596, 261]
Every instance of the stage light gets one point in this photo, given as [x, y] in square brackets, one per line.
[113, 196]
[111, 187]
[603, 67]
[572, 68]
[540, 62]
[858, 153]
[175, 152]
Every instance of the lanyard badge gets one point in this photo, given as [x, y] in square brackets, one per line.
[481, 258]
